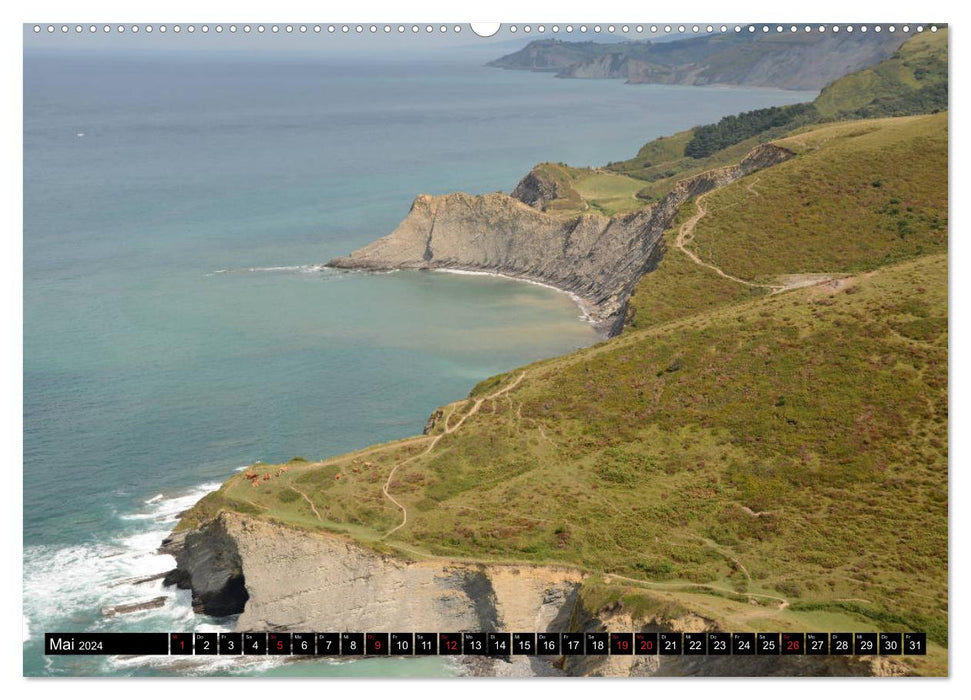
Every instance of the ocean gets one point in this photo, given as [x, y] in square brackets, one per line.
[177, 325]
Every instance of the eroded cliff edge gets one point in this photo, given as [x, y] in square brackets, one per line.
[308, 580]
[595, 257]
[301, 580]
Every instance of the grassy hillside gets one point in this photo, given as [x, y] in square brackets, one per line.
[775, 448]
[858, 195]
[913, 80]
[590, 190]
[733, 442]
[660, 164]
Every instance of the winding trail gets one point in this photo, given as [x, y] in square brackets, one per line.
[309, 502]
[539, 426]
[783, 603]
[686, 235]
[727, 554]
[254, 503]
[431, 446]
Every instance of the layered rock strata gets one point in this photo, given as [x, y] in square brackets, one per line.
[598, 259]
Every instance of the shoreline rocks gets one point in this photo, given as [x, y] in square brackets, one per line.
[126, 608]
[208, 563]
[137, 580]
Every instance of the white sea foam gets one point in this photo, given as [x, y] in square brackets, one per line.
[581, 303]
[66, 587]
[168, 509]
[65, 584]
[272, 268]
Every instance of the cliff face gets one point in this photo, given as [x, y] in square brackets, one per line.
[209, 563]
[595, 257]
[590, 255]
[538, 190]
[303, 581]
[614, 618]
[607, 66]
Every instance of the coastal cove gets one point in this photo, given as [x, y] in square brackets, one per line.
[584, 306]
[595, 258]
[177, 327]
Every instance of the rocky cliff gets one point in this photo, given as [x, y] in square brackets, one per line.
[597, 258]
[312, 581]
[539, 188]
[615, 617]
[208, 562]
[298, 580]
[303, 580]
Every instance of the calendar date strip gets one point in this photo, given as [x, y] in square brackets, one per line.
[499, 644]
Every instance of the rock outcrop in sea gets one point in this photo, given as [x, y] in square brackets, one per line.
[208, 562]
[595, 257]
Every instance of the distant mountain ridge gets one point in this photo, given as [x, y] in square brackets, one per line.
[794, 61]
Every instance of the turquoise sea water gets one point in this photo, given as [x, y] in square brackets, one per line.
[175, 328]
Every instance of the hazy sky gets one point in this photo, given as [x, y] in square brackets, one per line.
[324, 41]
